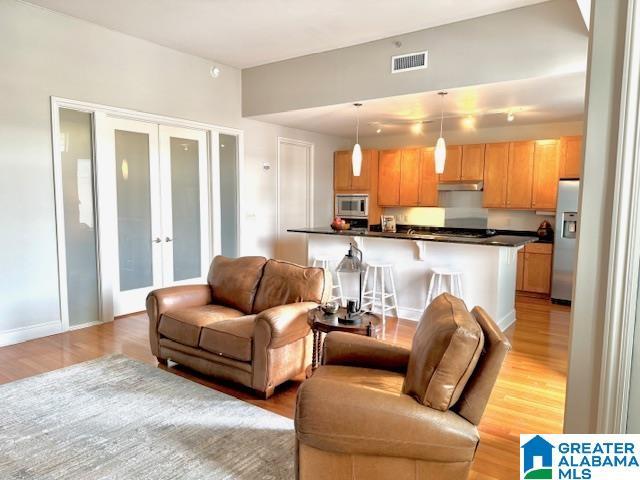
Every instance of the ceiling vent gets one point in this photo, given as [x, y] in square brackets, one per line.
[409, 61]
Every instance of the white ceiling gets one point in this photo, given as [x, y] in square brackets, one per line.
[536, 100]
[245, 33]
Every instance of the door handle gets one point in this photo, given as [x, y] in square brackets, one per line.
[167, 239]
[157, 240]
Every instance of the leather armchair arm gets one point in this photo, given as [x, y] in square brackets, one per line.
[358, 351]
[172, 298]
[283, 324]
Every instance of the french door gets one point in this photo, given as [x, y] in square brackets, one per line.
[153, 203]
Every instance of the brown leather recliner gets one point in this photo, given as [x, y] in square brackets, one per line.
[247, 325]
[376, 411]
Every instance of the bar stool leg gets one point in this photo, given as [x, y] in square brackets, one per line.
[432, 283]
[383, 300]
[366, 293]
[374, 293]
[393, 292]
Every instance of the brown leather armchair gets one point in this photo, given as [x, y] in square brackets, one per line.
[376, 411]
[247, 325]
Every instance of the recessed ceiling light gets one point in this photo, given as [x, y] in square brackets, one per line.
[215, 72]
[510, 117]
[378, 130]
[469, 122]
[416, 128]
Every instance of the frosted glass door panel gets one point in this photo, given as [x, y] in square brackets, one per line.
[228, 147]
[81, 259]
[185, 214]
[185, 208]
[134, 210]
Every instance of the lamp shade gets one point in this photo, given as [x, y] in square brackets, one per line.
[440, 155]
[356, 160]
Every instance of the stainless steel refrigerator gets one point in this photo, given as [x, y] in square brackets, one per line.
[564, 248]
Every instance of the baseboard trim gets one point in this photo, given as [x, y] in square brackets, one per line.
[506, 321]
[22, 334]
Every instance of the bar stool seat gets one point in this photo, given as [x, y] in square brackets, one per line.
[381, 295]
[438, 283]
[325, 262]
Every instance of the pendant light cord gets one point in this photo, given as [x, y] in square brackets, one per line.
[441, 112]
[357, 122]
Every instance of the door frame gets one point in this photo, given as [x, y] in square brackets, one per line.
[310, 178]
[97, 110]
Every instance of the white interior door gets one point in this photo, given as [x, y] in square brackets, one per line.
[295, 198]
[130, 210]
[185, 206]
[154, 209]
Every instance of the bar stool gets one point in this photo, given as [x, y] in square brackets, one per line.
[323, 262]
[378, 295]
[437, 285]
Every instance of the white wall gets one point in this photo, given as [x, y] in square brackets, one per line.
[46, 54]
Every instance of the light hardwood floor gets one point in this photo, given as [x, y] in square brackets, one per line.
[528, 398]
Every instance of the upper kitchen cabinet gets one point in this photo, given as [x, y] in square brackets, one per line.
[453, 164]
[520, 174]
[472, 162]
[496, 164]
[409, 177]
[389, 177]
[545, 174]
[343, 179]
[428, 189]
[570, 156]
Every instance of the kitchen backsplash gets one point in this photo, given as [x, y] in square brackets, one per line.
[459, 209]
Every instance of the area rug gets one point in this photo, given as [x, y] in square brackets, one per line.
[116, 418]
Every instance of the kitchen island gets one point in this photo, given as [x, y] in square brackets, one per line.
[488, 264]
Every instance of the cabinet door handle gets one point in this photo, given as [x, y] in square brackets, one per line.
[167, 239]
[156, 240]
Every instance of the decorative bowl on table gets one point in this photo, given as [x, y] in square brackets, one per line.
[340, 226]
[330, 307]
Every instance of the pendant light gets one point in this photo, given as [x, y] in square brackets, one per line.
[356, 156]
[441, 147]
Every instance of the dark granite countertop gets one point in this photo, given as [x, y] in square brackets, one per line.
[498, 240]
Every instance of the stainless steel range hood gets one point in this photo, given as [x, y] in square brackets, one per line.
[461, 185]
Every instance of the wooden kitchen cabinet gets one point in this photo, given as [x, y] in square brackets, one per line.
[520, 174]
[409, 177]
[343, 179]
[472, 162]
[496, 164]
[428, 189]
[452, 164]
[570, 156]
[533, 272]
[520, 270]
[546, 170]
[389, 163]
[342, 171]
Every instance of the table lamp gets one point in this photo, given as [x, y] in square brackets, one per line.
[351, 265]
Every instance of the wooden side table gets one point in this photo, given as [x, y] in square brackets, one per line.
[322, 323]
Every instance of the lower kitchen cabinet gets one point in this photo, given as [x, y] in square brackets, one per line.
[534, 268]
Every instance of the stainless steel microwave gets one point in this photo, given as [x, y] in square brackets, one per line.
[352, 206]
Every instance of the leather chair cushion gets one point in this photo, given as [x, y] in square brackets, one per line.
[445, 351]
[229, 338]
[234, 281]
[283, 283]
[363, 411]
[184, 325]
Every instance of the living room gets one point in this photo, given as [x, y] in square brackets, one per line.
[156, 158]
